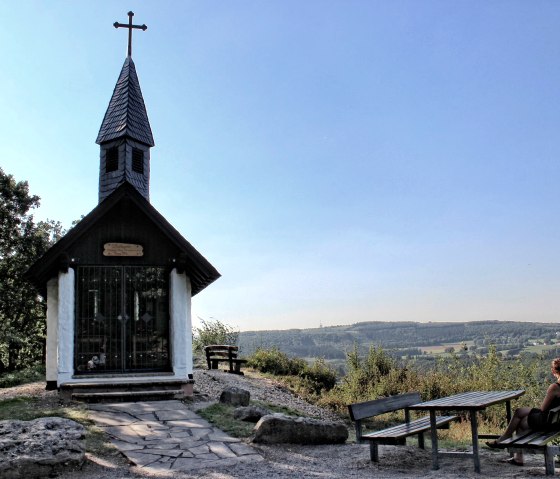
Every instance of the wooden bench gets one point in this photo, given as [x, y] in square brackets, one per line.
[223, 353]
[537, 441]
[395, 435]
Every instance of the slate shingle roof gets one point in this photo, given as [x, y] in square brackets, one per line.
[126, 115]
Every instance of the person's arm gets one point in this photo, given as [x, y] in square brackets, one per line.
[551, 393]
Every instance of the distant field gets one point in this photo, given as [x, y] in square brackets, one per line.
[539, 348]
[440, 349]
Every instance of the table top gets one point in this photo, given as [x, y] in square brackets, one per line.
[469, 400]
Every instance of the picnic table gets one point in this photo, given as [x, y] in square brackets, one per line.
[473, 402]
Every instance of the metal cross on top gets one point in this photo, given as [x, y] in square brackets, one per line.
[130, 26]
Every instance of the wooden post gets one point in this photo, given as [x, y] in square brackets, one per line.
[433, 432]
[474, 429]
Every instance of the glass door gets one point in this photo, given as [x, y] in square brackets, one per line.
[122, 319]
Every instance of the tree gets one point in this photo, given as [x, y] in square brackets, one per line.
[22, 241]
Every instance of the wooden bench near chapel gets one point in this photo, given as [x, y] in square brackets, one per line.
[537, 441]
[223, 353]
[395, 435]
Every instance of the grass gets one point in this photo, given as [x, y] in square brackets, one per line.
[221, 416]
[539, 348]
[29, 375]
[27, 409]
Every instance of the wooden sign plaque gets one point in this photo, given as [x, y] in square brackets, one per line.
[122, 249]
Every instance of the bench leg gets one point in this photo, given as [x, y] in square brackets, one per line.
[373, 451]
[421, 440]
[214, 364]
[549, 461]
[474, 431]
[358, 427]
[433, 432]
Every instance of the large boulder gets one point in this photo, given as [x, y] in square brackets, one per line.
[40, 448]
[235, 396]
[279, 428]
[250, 413]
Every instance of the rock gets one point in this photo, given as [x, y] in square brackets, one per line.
[250, 413]
[235, 396]
[279, 428]
[40, 448]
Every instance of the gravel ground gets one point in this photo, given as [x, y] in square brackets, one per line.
[292, 461]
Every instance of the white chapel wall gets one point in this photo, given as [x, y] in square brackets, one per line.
[180, 332]
[52, 330]
[65, 326]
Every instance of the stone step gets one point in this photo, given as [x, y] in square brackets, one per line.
[126, 396]
[103, 386]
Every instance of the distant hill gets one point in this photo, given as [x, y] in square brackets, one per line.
[334, 341]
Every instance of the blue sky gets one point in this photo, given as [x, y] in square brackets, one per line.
[337, 161]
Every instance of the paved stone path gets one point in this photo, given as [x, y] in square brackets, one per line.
[165, 435]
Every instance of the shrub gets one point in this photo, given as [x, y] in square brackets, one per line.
[276, 362]
[299, 375]
[319, 376]
[29, 375]
[213, 332]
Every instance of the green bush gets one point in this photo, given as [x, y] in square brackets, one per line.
[213, 332]
[29, 375]
[320, 376]
[378, 375]
[304, 379]
[274, 361]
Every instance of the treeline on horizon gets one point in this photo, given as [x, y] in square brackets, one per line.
[334, 342]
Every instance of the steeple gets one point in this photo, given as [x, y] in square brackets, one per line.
[125, 136]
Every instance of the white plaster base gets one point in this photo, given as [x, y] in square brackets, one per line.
[52, 330]
[65, 326]
[180, 329]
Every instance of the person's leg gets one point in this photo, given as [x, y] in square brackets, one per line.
[519, 417]
[522, 427]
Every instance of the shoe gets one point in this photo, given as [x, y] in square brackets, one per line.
[514, 462]
[493, 444]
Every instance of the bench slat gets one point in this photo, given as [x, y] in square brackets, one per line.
[532, 438]
[211, 347]
[544, 438]
[408, 429]
[380, 406]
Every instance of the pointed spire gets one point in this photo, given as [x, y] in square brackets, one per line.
[126, 115]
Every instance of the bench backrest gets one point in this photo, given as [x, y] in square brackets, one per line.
[366, 409]
[221, 350]
[553, 418]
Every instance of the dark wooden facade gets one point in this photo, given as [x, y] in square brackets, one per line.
[124, 217]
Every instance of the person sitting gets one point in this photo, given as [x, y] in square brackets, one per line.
[525, 418]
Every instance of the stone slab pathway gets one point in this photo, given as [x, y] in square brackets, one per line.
[166, 436]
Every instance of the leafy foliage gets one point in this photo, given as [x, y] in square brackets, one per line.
[27, 375]
[276, 362]
[22, 241]
[379, 375]
[304, 378]
[213, 332]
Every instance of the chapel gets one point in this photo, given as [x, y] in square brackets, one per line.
[118, 286]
